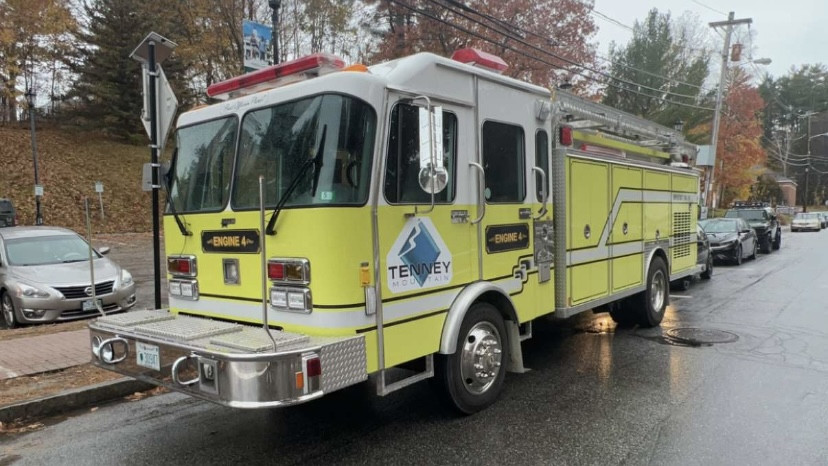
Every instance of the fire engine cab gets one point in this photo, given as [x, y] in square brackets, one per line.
[402, 221]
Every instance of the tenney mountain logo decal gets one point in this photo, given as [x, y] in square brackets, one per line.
[419, 258]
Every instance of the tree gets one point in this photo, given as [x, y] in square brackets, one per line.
[661, 55]
[108, 90]
[740, 155]
[32, 34]
[538, 39]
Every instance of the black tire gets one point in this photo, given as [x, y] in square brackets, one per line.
[682, 284]
[777, 242]
[708, 272]
[468, 388]
[767, 244]
[623, 312]
[753, 256]
[651, 303]
[8, 311]
[737, 258]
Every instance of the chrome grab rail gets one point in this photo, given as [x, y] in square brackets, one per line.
[265, 297]
[174, 372]
[100, 353]
[481, 196]
[544, 193]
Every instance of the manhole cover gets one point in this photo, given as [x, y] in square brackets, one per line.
[701, 336]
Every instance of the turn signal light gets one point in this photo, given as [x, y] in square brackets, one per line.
[289, 270]
[182, 265]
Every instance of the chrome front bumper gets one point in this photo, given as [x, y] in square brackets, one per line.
[227, 363]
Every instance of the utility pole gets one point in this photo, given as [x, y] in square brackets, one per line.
[728, 25]
[275, 5]
[30, 99]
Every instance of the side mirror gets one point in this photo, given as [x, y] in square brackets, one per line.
[746, 230]
[104, 250]
[433, 176]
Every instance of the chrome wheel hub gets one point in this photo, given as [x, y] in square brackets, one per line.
[481, 357]
[659, 291]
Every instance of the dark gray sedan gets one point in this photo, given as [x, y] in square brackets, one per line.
[44, 277]
[731, 239]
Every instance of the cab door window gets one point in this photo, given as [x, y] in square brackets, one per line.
[503, 161]
[402, 167]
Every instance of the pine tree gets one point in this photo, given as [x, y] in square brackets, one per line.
[108, 91]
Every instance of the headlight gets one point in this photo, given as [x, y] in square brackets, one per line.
[30, 291]
[126, 278]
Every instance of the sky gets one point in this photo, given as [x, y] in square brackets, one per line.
[790, 33]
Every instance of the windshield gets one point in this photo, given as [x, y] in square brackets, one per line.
[41, 250]
[801, 216]
[747, 214]
[720, 226]
[202, 172]
[277, 141]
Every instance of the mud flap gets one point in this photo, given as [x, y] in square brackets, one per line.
[515, 351]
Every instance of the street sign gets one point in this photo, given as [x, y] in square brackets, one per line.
[38, 190]
[99, 186]
[167, 105]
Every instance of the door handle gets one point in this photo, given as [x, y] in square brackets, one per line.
[481, 197]
[544, 193]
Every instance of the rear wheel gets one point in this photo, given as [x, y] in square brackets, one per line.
[753, 256]
[9, 316]
[777, 242]
[472, 377]
[737, 258]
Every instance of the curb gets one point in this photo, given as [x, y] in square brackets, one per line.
[72, 399]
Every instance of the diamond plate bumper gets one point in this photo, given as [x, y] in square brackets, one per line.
[227, 363]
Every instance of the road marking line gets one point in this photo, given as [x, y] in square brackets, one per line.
[680, 296]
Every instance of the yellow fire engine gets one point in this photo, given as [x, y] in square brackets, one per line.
[401, 221]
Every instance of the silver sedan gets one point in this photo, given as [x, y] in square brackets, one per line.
[44, 277]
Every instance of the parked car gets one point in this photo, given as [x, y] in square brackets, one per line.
[704, 258]
[731, 239]
[762, 218]
[806, 221]
[823, 216]
[8, 217]
[44, 277]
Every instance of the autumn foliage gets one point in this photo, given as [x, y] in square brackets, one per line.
[739, 152]
[538, 39]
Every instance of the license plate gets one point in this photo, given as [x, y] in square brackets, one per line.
[89, 305]
[148, 356]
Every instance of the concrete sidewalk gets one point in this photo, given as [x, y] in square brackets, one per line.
[43, 353]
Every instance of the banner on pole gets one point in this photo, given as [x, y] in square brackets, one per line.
[258, 51]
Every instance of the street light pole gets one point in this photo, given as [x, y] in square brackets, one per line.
[275, 5]
[30, 99]
[805, 202]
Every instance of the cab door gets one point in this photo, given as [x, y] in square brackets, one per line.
[425, 250]
[506, 129]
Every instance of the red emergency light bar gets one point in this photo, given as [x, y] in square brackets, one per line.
[316, 64]
[480, 58]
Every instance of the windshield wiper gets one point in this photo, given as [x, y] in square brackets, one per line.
[316, 161]
[181, 227]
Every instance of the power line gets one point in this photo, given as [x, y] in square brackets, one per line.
[566, 60]
[709, 7]
[655, 75]
[610, 19]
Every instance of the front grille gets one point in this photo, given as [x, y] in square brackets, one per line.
[76, 292]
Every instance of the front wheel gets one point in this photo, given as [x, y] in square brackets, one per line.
[9, 317]
[472, 377]
[708, 271]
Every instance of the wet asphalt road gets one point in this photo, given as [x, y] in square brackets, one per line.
[596, 395]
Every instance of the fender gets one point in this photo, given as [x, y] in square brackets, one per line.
[459, 308]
